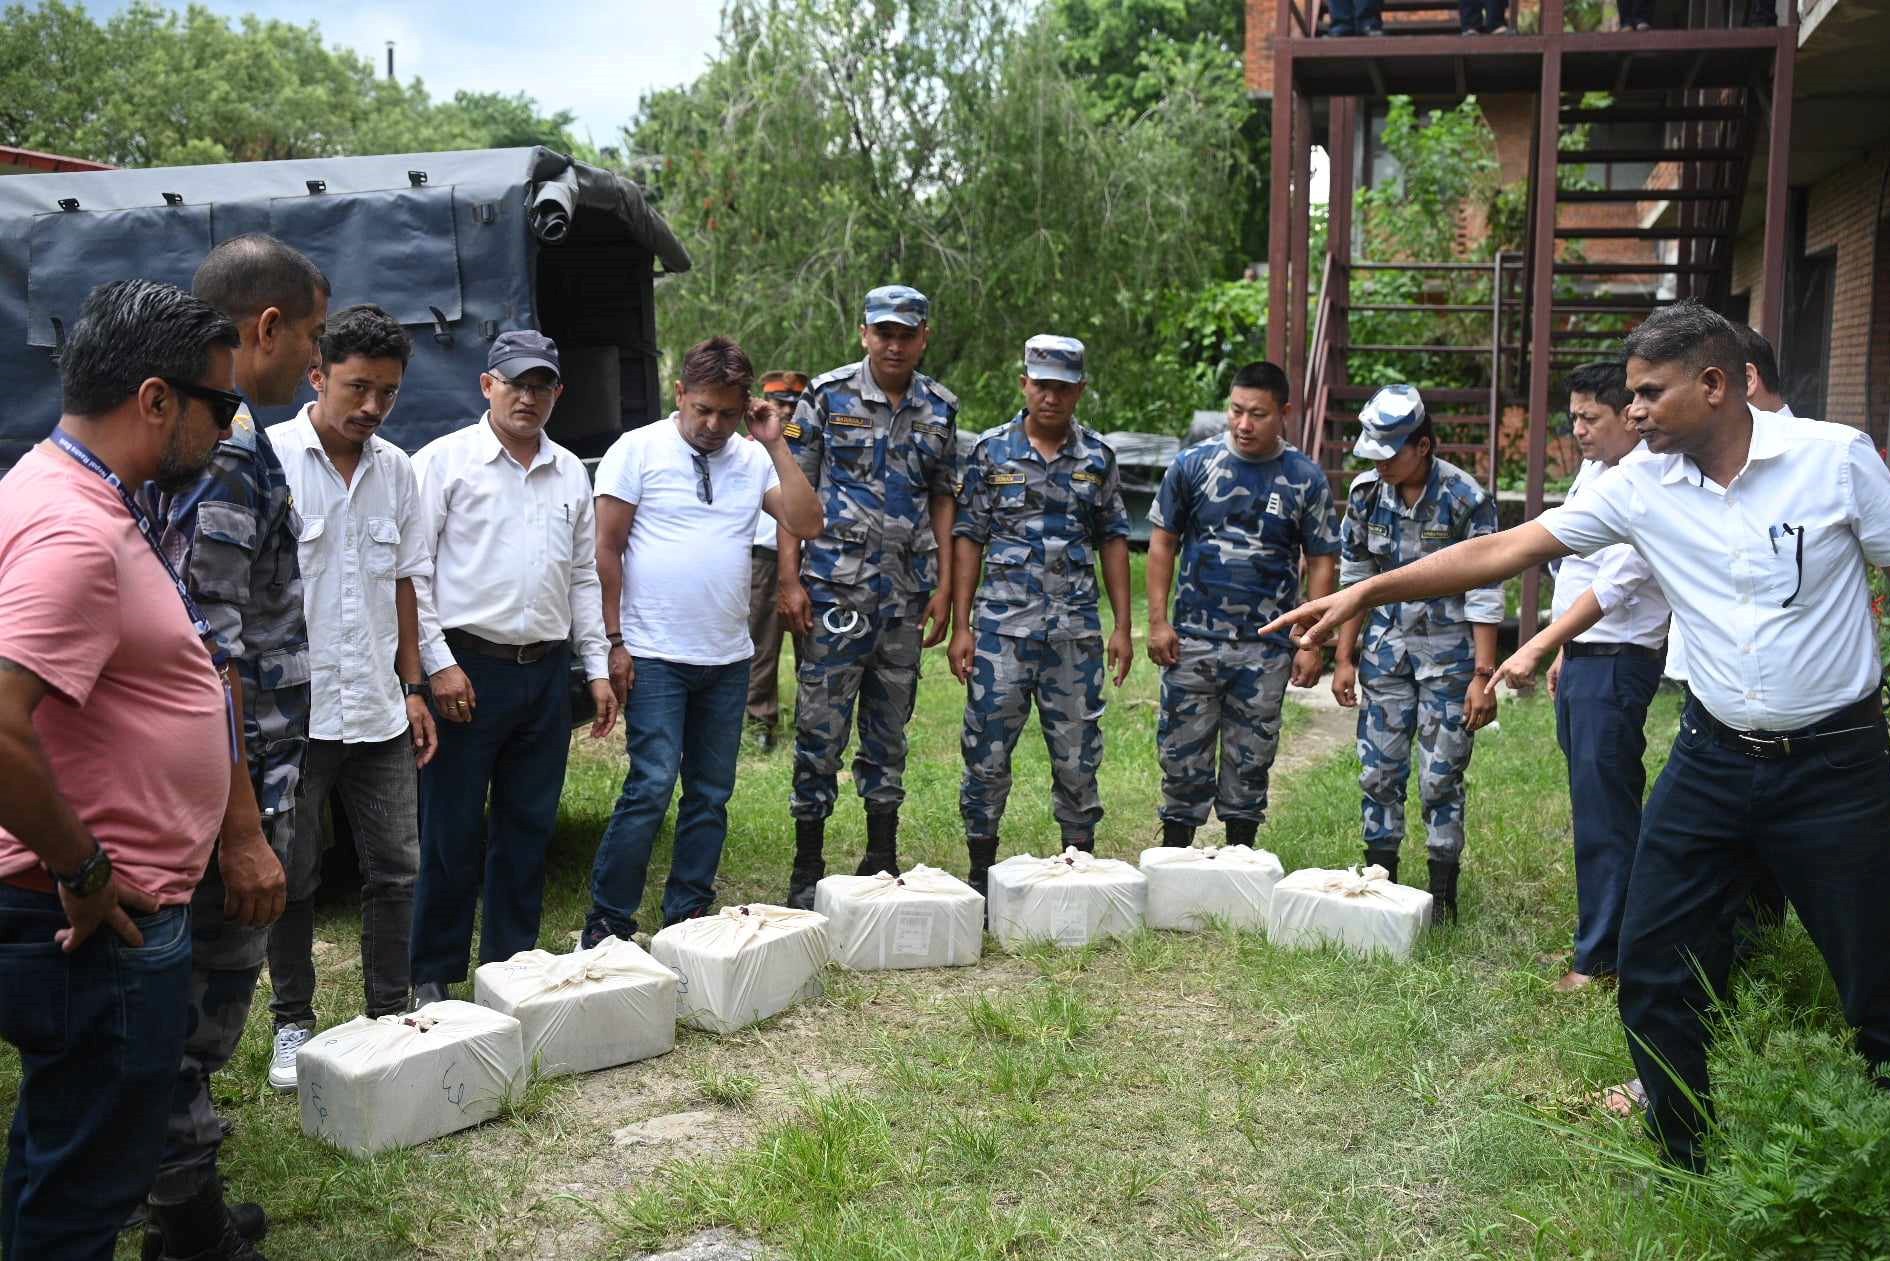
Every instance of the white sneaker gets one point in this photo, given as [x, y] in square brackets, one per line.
[289, 1041]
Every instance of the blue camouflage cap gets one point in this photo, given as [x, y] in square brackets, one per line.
[1388, 420]
[1048, 357]
[897, 304]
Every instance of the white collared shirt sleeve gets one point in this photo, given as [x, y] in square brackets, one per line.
[587, 592]
[1594, 517]
[430, 512]
[1870, 499]
[1620, 575]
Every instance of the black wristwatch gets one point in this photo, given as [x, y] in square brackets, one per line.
[422, 690]
[93, 874]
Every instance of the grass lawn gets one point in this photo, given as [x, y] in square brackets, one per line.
[1196, 1096]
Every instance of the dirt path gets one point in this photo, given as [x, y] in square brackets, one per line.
[612, 1131]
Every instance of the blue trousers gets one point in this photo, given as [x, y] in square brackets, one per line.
[1820, 823]
[679, 721]
[1600, 712]
[515, 749]
[1355, 17]
[100, 1033]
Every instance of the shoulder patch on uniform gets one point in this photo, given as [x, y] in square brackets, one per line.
[944, 395]
[1368, 478]
[838, 374]
[849, 421]
[1003, 479]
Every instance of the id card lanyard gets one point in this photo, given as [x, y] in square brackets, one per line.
[199, 623]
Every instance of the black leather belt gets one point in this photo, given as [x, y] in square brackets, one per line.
[1769, 746]
[1576, 648]
[519, 654]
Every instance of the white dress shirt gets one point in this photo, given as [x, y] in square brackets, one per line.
[1634, 607]
[1676, 667]
[357, 538]
[1772, 644]
[514, 548]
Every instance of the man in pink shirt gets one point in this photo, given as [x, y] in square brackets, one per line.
[115, 756]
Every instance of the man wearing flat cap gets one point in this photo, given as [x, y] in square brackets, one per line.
[878, 441]
[513, 594]
[1425, 666]
[1041, 502]
[782, 392]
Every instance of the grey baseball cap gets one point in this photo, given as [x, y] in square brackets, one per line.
[519, 351]
[897, 304]
[1388, 420]
[1048, 357]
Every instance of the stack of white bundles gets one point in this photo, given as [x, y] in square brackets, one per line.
[925, 918]
[1071, 899]
[587, 1010]
[1187, 887]
[743, 965]
[1361, 911]
[396, 1081]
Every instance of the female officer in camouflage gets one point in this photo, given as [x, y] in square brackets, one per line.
[1425, 665]
[1039, 502]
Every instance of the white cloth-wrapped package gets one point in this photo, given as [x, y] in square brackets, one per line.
[924, 918]
[586, 1010]
[1188, 886]
[1362, 911]
[370, 1085]
[743, 965]
[1071, 899]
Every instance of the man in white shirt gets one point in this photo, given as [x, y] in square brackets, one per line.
[1610, 623]
[677, 504]
[782, 391]
[511, 595]
[1760, 530]
[362, 546]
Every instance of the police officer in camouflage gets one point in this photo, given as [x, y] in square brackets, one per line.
[1426, 667]
[878, 441]
[233, 538]
[1039, 504]
[1240, 509]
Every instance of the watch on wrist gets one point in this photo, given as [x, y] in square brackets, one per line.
[92, 875]
[422, 690]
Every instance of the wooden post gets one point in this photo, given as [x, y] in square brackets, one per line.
[1299, 329]
[1542, 296]
[1777, 179]
[1279, 211]
[1342, 133]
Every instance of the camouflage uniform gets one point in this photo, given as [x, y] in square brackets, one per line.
[1416, 659]
[1242, 524]
[233, 538]
[869, 574]
[1038, 630]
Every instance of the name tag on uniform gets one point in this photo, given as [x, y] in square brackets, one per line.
[1087, 477]
[929, 426]
[1431, 533]
[1378, 528]
[1005, 479]
[854, 422]
[1275, 507]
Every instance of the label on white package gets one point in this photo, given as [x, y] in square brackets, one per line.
[912, 933]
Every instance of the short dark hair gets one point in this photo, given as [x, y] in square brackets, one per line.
[130, 331]
[1691, 333]
[248, 274]
[1759, 354]
[717, 362]
[366, 332]
[1264, 376]
[1606, 380]
[1426, 428]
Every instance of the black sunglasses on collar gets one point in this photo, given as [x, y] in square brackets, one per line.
[223, 404]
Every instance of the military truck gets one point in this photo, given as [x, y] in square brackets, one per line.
[459, 247]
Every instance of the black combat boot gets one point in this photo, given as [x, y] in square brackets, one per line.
[810, 837]
[1444, 890]
[1178, 835]
[1242, 831]
[1386, 857]
[983, 851]
[204, 1228]
[882, 843]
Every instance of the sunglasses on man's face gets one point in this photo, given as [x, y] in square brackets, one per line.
[223, 404]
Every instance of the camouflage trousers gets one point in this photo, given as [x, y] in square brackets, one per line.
[876, 666]
[226, 959]
[1065, 679]
[1225, 694]
[1393, 708]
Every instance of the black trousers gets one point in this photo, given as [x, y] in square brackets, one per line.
[1482, 15]
[1818, 822]
[1634, 12]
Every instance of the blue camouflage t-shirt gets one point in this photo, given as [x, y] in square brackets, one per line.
[1243, 524]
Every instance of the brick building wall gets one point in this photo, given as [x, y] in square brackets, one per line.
[1842, 215]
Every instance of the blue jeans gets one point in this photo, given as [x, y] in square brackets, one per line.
[679, 720]
[100, 1033]
[1355, 17]
[1819, 822]
[1600, 711]
[514, 748]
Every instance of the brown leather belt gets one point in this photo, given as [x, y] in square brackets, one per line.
[519, 654]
